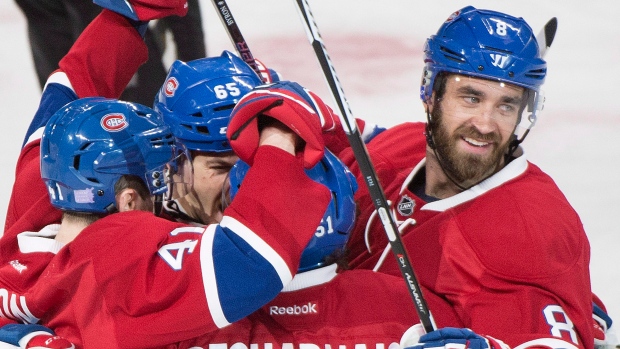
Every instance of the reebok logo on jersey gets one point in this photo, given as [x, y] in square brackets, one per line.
[305, 309]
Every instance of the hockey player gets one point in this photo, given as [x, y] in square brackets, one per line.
[96, 51]
[100, 291]
[196, 101]
[100, 63]
[490, 235]
[321, 308]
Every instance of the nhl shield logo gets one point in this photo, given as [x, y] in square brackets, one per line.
[405, 206]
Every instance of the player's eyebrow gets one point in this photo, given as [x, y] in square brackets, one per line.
[512, 100]
[469, 90]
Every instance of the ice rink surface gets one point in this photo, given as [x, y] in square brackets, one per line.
[376, 49]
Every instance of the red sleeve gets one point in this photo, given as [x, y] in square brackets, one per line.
[285, 209]
[104, 57]
[29, 206]
[163, 291]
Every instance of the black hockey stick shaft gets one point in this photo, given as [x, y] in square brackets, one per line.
[366, 167]
[235, 35]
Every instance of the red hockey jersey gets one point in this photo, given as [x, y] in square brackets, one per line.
[355, 309]
[133, 280]
[509, 255]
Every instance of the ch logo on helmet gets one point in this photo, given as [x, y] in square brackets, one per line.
[114, 122]
[405, 206]
[453, 16]
[171, 86]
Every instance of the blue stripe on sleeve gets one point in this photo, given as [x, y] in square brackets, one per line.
[243, 274]
[54, 97]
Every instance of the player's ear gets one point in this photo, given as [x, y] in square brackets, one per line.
[428, 104]
[127, 200]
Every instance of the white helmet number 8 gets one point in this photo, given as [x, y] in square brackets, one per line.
[501, 28]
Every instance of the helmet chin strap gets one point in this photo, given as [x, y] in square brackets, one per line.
[514, 144]
[158, 203]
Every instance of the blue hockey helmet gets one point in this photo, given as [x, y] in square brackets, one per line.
[332, 235]
[91, 142]
[489, 45]
[198, 96]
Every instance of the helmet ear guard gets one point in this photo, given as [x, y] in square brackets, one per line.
[332, 234]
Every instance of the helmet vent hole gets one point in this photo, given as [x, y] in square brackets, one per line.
[224, 107]
[452, 55]
[538, 74]
[203, 129]
[336, 206]
[166, 139]
[94, 180]
[76, 162]
[197, 115]
[499, 50]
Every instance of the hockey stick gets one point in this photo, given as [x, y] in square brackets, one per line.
[368, 171]
[546, 36]
[234, 33]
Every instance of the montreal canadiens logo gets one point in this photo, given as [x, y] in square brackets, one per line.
[171, 86]
[405, 206]
[453, 16]
[114, 122]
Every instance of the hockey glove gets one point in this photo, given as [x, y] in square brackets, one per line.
[16, 336]
[604, 333]
[450, 337]
[302, 111]
[145, 10]
[268, 75]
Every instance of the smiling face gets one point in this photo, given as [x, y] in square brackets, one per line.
[473, 123]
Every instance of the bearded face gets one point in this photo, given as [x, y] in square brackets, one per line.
[466, 167]
[472, 127]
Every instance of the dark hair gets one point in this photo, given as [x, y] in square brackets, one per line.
[440, 85]
[132, 182]
[124, 182]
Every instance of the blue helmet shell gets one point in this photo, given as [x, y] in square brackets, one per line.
[333, 233]
[91, 142]
[198, 96]
[485, 44]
